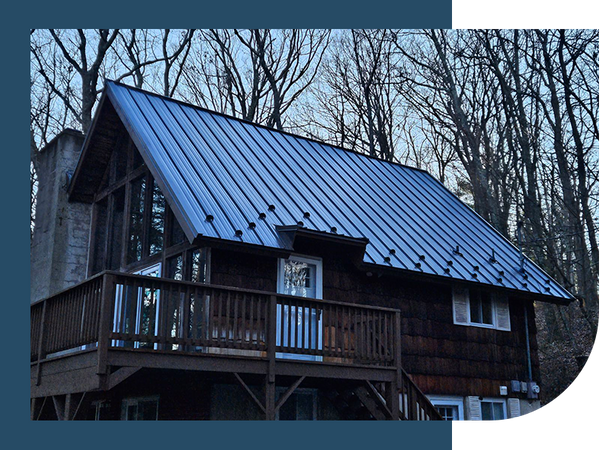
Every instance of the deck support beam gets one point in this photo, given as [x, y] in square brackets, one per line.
[250, 393]
[288, 393]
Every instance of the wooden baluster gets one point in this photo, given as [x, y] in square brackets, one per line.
[243, 322]
[236, 320]
[188, 297]
[228, 312]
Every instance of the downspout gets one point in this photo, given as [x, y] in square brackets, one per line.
[529, 371]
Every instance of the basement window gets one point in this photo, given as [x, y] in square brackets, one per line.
[301, 405]
[140, 408]
[100, 410]
[449, 407]
[480, 308]
[493, 409]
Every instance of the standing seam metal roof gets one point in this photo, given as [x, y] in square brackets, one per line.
[235, 171]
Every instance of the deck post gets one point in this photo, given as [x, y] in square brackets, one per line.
[398, 348]
[271, 347]
[104, 328]
[392, 399]
[34, 407]
[40, 344]
[394, 389]
[65, 406]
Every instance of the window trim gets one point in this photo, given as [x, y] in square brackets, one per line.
[303, 391]
[495, 299]
[447, 400]
[98, 405]
[136, 400]
[494, 400]
[318, 262]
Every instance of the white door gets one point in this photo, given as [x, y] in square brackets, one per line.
[301, 277]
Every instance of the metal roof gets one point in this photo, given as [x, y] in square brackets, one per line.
[234, 180]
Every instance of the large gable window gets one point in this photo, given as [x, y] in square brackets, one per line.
[136, 220]
[146, 219]
[480, 308]
[132, 224]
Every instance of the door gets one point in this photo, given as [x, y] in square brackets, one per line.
[301, 277]
[136, 310]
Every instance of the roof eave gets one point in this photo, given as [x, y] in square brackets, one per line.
[535, 296]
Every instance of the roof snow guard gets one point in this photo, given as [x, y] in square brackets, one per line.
[234, 180]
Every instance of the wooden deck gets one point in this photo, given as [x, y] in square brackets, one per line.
[96, 334]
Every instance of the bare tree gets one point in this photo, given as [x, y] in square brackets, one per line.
[358, 100]
[254, 74]
[443, 80]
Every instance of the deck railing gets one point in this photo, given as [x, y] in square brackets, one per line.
[414, 405]
[119, 310]
[135, 311]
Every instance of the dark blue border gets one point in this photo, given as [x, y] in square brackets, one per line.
[15, 224]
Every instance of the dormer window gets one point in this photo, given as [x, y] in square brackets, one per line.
[480, 308]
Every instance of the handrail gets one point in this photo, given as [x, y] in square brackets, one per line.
[137, 311]
[414, 404]
[237, 289]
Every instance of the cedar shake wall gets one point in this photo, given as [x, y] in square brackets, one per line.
[442, 358]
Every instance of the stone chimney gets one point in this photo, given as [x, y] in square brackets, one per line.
[59, 249]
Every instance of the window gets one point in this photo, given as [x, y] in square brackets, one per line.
[480, 308]
[301, 405]
[493, 409]
[100, 410]
[480, 305]
[157, 220]
[301, 277]
[144, 408]
[133, 225]
[450, 408]
[98, 248]
[116, 232]
[188, 265]
[176, 234]
[136, 220]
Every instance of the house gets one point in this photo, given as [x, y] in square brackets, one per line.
[190, 265]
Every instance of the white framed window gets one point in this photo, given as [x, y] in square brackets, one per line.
[485, 408]
[449, 407]
[493, 409]
[480, 308]
[140, 408]
[301, 276]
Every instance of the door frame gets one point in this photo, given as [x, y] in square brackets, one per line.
[318, 262]
[118, 313]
